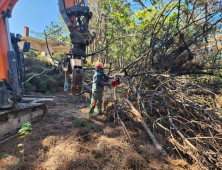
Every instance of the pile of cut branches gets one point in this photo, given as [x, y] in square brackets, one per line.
[188, 114]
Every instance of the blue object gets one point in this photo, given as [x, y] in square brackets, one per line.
[98, 71]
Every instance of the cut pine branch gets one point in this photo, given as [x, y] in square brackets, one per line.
[149, 132]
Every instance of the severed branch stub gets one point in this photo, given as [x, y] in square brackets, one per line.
[149, 132]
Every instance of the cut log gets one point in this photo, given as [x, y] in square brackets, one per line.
[149, 132]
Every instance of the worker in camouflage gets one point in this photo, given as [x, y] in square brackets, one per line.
[97, 89]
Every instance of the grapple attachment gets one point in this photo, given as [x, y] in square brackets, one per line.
[76, 15]
[77, 75]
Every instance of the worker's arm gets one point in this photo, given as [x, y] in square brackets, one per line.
[105, 83]
[98, 79]
[108, 77]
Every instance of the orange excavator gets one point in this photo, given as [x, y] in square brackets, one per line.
[13, 115]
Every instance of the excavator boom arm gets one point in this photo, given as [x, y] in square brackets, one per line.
[6, 7]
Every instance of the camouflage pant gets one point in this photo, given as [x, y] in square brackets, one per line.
[96, 99]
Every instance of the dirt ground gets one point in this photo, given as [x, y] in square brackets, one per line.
[66, 140]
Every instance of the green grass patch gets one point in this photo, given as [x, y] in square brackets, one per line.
[5, 155]
[81, 123]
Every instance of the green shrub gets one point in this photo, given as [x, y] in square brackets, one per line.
[29, 75]
[32, 54]
[55, 59]
[42, 86]
[37, 68]
[47, 92]
[61, 82]
[43, 61]
[55, 76]
[57, 56]
[27, 86]
[51, 83]
[35, 80]
[45, 77]
[28, 62]
[27, 70]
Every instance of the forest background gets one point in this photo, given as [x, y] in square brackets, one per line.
[184, 36]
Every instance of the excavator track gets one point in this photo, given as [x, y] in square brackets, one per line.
[11, 120]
